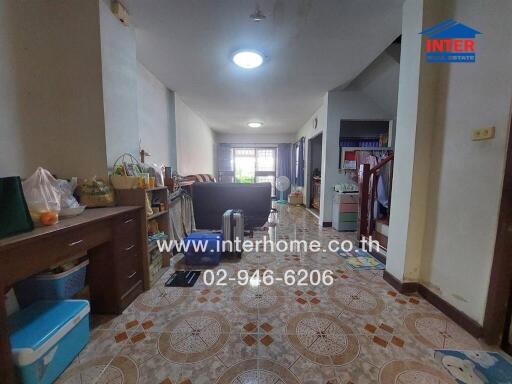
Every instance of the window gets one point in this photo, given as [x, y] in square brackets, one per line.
[247, 165]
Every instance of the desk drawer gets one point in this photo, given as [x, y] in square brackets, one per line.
[51, 251]
[128, 260]
[128, 279]
[127, 231]
[127, 223]
[128, 265]
[87, 238]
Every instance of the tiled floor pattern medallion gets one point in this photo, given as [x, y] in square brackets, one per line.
[261, 299]
[193, 337]
[436, 331]
[357, 331]
[356, 298]
[119, 370]
[256, 371]
[322, 338]
[159, 299]
[409, 372]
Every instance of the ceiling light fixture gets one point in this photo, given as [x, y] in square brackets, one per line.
[248, 59]
[255, 124]
[257, 16]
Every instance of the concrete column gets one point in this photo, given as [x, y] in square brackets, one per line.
[415, 123]
[330, 153]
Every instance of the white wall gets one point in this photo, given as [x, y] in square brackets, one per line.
[51, 106]
[379, 82]
[73, 95]
[466, 176]
[446, 187]
[119, 74]
[157, 124]
[195, 141]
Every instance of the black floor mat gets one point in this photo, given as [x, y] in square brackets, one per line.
[183, 279]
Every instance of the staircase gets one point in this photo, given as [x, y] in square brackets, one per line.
[369, 226]
[381, 232]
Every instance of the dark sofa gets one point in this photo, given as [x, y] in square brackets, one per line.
[211, 200]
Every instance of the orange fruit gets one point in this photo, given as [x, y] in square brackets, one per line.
[49, 218]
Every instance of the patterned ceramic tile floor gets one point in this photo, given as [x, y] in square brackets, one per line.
[359, 330]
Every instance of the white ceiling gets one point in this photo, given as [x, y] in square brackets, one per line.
[312, 46]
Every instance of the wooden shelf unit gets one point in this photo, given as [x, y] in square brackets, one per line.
[153, 268]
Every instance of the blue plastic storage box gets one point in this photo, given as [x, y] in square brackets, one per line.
[48, 286]
[204, 248]
[46, 337]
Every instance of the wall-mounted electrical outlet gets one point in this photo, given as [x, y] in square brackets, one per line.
[483, 133]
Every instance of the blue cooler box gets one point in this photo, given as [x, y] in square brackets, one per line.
[46, 336]
[212, 249]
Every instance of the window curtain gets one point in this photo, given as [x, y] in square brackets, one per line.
[284, 165]
[225, 163]
[298, 159]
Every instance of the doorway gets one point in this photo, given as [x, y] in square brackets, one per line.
[498, 311]
[315, 172]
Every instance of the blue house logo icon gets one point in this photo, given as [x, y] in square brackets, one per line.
[450, 42]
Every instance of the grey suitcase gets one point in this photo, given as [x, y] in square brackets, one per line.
[233, 230]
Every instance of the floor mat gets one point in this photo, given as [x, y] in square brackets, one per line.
[475, 366]
[361, 260]
[183, 279]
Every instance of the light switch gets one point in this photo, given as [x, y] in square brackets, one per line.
[483, 133]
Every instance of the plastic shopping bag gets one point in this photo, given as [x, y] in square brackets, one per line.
[66, 188]
[41, 192]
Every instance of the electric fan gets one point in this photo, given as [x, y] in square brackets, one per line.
[282, 184]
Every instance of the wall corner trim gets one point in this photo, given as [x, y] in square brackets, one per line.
[402, 287]
[463, 320]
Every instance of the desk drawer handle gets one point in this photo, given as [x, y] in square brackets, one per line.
[130, 247]
[129, 220]
[133, 274]
[75, 243]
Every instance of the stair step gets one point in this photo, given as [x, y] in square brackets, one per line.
[382, 227]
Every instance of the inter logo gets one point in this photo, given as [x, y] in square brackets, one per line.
[450, 42]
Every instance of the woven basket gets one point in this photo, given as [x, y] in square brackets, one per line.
[124, 181]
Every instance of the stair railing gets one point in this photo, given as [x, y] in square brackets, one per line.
[368, 195]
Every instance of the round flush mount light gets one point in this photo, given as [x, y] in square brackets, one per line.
[255, 124]
[248, 58]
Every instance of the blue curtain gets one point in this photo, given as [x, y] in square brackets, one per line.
[225, 170]
[284, 164]
[299, 162]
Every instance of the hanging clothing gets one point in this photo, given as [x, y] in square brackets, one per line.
[284, 164]
[187, 214]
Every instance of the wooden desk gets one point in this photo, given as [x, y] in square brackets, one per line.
[112, 239]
